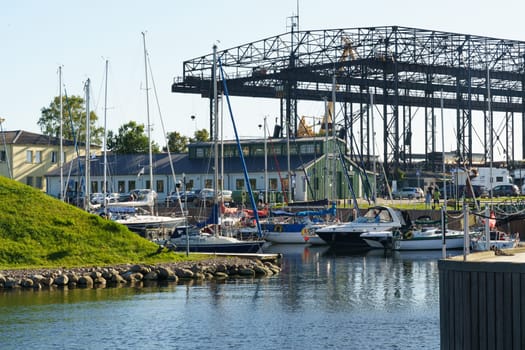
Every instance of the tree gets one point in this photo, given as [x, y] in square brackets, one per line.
[201, 136]
[177, 142]
[130, 139]
[73, 122]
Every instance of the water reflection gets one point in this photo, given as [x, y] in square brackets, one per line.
[321, 299]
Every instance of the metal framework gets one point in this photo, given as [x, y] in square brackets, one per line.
[405, 69]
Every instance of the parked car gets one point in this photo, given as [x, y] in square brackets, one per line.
[455, 192]
[207, 195]
[505, 191]
[97, 198]
[173, 197]
[409, 192]
[479, 191]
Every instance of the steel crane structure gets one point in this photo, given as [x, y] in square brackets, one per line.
[410, 72]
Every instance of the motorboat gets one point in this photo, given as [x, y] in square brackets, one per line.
[146, 225]
[429, 238]
[426, 238]
[347, 235]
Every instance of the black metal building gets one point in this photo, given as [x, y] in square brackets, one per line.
[401, 71]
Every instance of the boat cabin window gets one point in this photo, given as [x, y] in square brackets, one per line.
[378, 215]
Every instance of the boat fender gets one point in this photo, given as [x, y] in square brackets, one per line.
[304, 231]
[278, 228]
[408, 235]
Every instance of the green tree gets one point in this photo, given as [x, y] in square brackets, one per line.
[130, 139]
[177, 142]
[201, 136]
[74, 120]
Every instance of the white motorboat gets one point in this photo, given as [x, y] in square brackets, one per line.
[376, 219]
[429, 238]
[426, 238]
[146, 225]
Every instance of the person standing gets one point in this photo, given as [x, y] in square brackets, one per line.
[428, 197]
[436, 196]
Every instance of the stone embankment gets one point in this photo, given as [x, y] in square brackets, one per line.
[99, 277]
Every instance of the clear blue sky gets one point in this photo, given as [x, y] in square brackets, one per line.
[39, 36]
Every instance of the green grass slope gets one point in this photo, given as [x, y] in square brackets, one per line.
[37, 230]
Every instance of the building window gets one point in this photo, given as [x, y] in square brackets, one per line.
[189, 184]
[160, 186]
[29, 156]
[307, 148]
[3, 156]
[29, 181]
[148, 184]
[208, 183]
[239, 184]
[94, 186]
[199, 153]
[273, 184]
[121, 186]
[38, 182]
[258, 150]
[131, 185]
[38, 157]
[253, 183]
[54, 157]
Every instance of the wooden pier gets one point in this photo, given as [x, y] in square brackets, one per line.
[482, 301]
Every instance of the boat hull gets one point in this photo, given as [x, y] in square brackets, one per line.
[293, 238]
[435, 243]
[293, 234]
[343, 240]
[243, 247]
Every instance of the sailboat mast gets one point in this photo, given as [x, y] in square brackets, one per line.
[334, 165]
[104, 184]
[215, 126]
[88, 151]
[265, 163]
[147, 113]
[61, 148]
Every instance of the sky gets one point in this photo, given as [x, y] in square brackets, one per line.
[39, 36]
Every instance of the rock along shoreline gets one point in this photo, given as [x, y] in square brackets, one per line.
[216, 268]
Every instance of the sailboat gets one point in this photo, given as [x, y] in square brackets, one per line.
[208, 236]
[133, 213]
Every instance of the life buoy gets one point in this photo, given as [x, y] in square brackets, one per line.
[304, 231]
[278, 228]
[408, 235]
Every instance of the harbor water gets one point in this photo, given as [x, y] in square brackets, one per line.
[320, 300]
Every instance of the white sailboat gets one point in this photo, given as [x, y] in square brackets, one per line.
[210, 239]
[133, 214]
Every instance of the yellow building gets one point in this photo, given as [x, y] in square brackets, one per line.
[26, 157]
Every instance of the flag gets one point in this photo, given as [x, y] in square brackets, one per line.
[141, 172]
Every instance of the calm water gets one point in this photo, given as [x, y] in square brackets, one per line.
[320, 300]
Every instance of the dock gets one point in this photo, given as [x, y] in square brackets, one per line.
[481, 300]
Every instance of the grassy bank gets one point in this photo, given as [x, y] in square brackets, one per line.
[38, 231]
